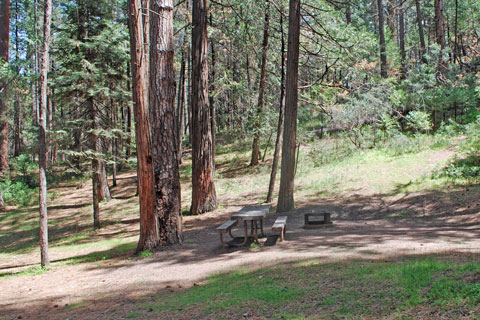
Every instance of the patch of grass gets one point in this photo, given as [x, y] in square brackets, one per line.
[133, 315]
[339, 290]
[33, 271]
[145, 254]
[74, 305]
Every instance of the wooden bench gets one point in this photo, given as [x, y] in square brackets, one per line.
[280, 225]
[226, 227]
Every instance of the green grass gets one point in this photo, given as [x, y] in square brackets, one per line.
[334, 291]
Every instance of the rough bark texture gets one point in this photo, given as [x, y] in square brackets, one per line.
[383, 46]
[287, 184]
[4, 42]
[149, 236]
[261, 88]
[204, 198]
[181, 105]
[278, 143]
[42, 137]
[423, 47]
[211, 99]
[163, 123]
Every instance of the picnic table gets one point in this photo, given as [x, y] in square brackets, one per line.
[253, 215]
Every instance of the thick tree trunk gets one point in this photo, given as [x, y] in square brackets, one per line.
[162, 116]
[278, 142]
[383, 46]
[149, 235]
[129, 118]
[204, 198]
[42, 121]
[423, 48]
[287, 184]
[261, 88]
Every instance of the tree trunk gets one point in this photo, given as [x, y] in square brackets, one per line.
[261, 89]
[401, 36]
[181, 105]
[211, 97]
[129, 118]
[4, 43]
[149, 235]
[162, 116]
[423, 49]
[278, 143]
[287, 184]
[42, 121]
[204, 198]
[440, 35]
[383, 46]
[348, 14]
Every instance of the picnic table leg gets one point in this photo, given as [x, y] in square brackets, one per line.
[245, 224]
[261, 229]
[221, 240]
[255, 234]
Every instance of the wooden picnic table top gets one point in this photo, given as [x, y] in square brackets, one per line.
[252, 213]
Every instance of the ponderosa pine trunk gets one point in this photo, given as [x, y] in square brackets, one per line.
[278, 142]
[149, 235]
[287, 183]
[211, 98]
[383, 46]
[423, 48]
[4, 44]
[42, 137]
[261, 88]
[163, 124]
[204, 197]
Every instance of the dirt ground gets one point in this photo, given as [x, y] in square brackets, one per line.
[366, 226]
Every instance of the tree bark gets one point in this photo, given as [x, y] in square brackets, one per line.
[383, 46]
[261, 88]
[204, 197]
[423, 47]
[278, 143]
[163, 123]
[4, 44]
[287, 184]
[42, 121]
[211, 97]
[149, 234]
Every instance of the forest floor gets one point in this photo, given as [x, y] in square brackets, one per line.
[384, 208]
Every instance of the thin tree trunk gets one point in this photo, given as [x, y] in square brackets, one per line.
[204, 197]
[401, 35]
[287, 184]
[383, 46]
[42, 156]
[181, 105]
[211, 97]
[440, 35]
[163, 123]
[261, 88]
[278, 142]
[455, 43]
[129, 117]
[4, 44]
[149, 234]
[348, 14]
[423, 49]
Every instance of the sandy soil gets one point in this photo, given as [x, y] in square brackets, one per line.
[366, 226]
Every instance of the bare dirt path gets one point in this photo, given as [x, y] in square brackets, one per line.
[366, 226]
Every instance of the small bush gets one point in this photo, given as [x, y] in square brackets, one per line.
[19, 193]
